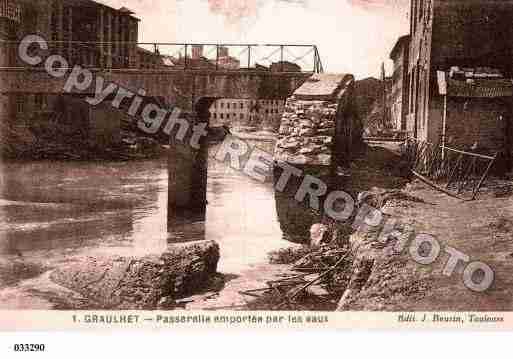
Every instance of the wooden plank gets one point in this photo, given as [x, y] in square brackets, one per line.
[434, 185]
[470, 153]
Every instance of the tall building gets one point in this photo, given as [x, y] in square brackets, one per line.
[399, 93]
[84, 32]
[10, 19]
[460, 63]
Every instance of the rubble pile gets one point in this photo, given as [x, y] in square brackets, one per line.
[288, 255]
[320, 259]
[306, 132]
[153, 281]
[316, 281]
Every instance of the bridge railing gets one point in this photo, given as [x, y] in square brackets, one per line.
[175, 56]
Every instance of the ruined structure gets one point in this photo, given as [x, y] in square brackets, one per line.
[320, 132]
[320, 123]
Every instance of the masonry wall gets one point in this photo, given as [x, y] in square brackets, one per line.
[104, 126]
[478, 121]
[316, 136]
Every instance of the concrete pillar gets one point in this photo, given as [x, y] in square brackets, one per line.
[116, 39]
[45, 20]
[60, 27]
[5, 48]
[70, 35]
[100, 37]
[122, 38]
[108, 36]
[133, 35]
[188, 171]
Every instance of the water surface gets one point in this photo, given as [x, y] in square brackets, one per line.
[52, 212]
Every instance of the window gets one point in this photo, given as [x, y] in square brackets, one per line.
[20, 105]
[222, 116]
[242, 105]
[242, 116]
[215, 115]
[222, 104]
[228, 105]
[227, 116]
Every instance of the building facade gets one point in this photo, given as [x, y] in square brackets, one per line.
[247, 114]
[400, 82]
[468, 44]
[84, 32]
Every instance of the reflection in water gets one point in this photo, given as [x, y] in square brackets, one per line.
[53, 206]
[52, 209]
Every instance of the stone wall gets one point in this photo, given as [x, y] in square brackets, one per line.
[320, 123]
[319, 131]
[477, 121]
[105, 126]
[306, 132]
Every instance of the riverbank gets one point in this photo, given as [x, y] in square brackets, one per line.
[481, 230]
[316, 276]
[366, 268]
[24, 144]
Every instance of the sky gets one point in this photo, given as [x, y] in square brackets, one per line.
[353, 36]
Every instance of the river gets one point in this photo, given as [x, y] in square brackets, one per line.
[53, 212]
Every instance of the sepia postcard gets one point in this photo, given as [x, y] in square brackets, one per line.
[259, 164]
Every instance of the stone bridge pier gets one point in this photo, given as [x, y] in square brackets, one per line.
[188, 152]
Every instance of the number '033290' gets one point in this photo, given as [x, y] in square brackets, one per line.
[29, 347]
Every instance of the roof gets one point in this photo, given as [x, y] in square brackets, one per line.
[126, 10]
[323, 86]
[475, 88]
[104, 3]
[401, 42]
